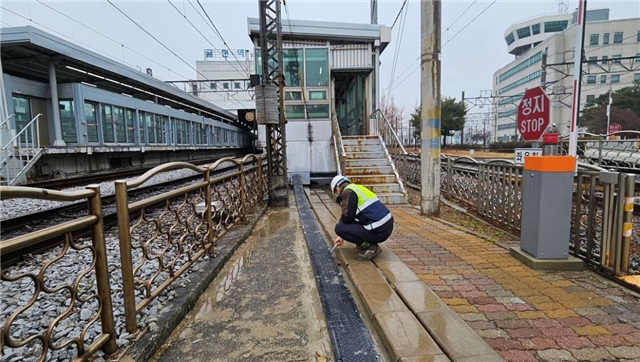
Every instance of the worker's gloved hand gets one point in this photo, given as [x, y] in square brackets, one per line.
[338, 241]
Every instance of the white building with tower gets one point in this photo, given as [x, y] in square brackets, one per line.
[611, 52]
[223, 78]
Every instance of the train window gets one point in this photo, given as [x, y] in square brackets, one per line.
[120, 122]
[130, 126]
[68, 121]
[107, 124]
[141, 128]
[92, 123]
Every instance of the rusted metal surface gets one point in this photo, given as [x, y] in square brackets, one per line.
[90, 285]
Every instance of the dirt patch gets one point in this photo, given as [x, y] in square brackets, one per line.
[456, 217]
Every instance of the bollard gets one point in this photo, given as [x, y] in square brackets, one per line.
[546, 213]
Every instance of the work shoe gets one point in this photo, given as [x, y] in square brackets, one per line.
[370, 253]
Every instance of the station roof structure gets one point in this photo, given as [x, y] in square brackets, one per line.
[27, 51]
[326, 30]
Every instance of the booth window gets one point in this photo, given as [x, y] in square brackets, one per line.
[68, 121]
[317, 66]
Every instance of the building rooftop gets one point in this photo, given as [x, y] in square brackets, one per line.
[26, 52]
[326, 30]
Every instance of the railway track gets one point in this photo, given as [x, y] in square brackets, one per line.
[58, 184]
[40, 220]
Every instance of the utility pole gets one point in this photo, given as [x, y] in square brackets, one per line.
[374, 11]
[577, 78]
[609, 111]
[462, 132]
[270, 100]
[430, 106]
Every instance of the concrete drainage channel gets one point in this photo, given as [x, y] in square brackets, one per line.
[349, 335]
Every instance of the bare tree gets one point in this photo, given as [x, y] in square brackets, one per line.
[393, 113]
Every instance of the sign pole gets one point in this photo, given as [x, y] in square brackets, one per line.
[577, 78]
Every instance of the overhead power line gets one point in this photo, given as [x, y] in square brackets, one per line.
[217, 32]
[458, 18]
[399, 12]
[166, 47]
[199, 32]
[67, 36]
[109, 38]
[464, 27]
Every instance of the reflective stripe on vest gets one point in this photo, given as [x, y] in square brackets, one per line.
[366, 198]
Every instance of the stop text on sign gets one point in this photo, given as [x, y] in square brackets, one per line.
[532, 125]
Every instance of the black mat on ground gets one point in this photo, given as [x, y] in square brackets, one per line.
[350, 337]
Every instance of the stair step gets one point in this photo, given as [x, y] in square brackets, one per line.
[372, 179]
[366, 155]
[361, 137]
[392, 198]
[367, 162]
[363, 148]
[356, 142]
[369, 170]
[384, 188]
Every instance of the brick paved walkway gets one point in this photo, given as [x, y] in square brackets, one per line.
[525, 315]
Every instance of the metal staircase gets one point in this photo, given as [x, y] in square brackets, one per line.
[19, 152]
[366, 160]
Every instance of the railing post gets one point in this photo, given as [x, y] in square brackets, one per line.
[627, 227]
[600, 151]
[102, 271]
[449, 182]
[124, 233]
[241, 180]
[260, 186]
[209, 214]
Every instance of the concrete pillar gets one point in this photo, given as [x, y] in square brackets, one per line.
[4, 107]
[53, 84]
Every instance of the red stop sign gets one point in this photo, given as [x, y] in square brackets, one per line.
[614, 127]
[533, 114]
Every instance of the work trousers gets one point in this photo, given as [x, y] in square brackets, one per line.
[357, 234]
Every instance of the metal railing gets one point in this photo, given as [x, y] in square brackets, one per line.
[89, 290]
[619, 150]
[394, 148]
[337, 143]
[170, 231]
[5, 122]
[600, 232]
[21, 152]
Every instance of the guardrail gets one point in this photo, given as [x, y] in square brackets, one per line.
[600, 232]
[337, 143]
[89, 290]
[171, 231]
[166, 232]
[21, 152]
[394, 147]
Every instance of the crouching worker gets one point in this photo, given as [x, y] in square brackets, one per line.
[364, 220]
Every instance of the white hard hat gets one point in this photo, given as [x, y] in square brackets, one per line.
[337, 181]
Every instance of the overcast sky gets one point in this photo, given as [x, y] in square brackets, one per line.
[468, 59]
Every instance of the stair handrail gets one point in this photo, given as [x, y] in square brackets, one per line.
[387, 127]
[337, 142]
[6, 121]
[28, 127]
[390, 139]
[14, 147]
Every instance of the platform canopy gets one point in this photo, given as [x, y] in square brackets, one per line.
[27, 52]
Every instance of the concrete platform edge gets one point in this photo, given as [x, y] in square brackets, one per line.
[391, 341]
[149, 343]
